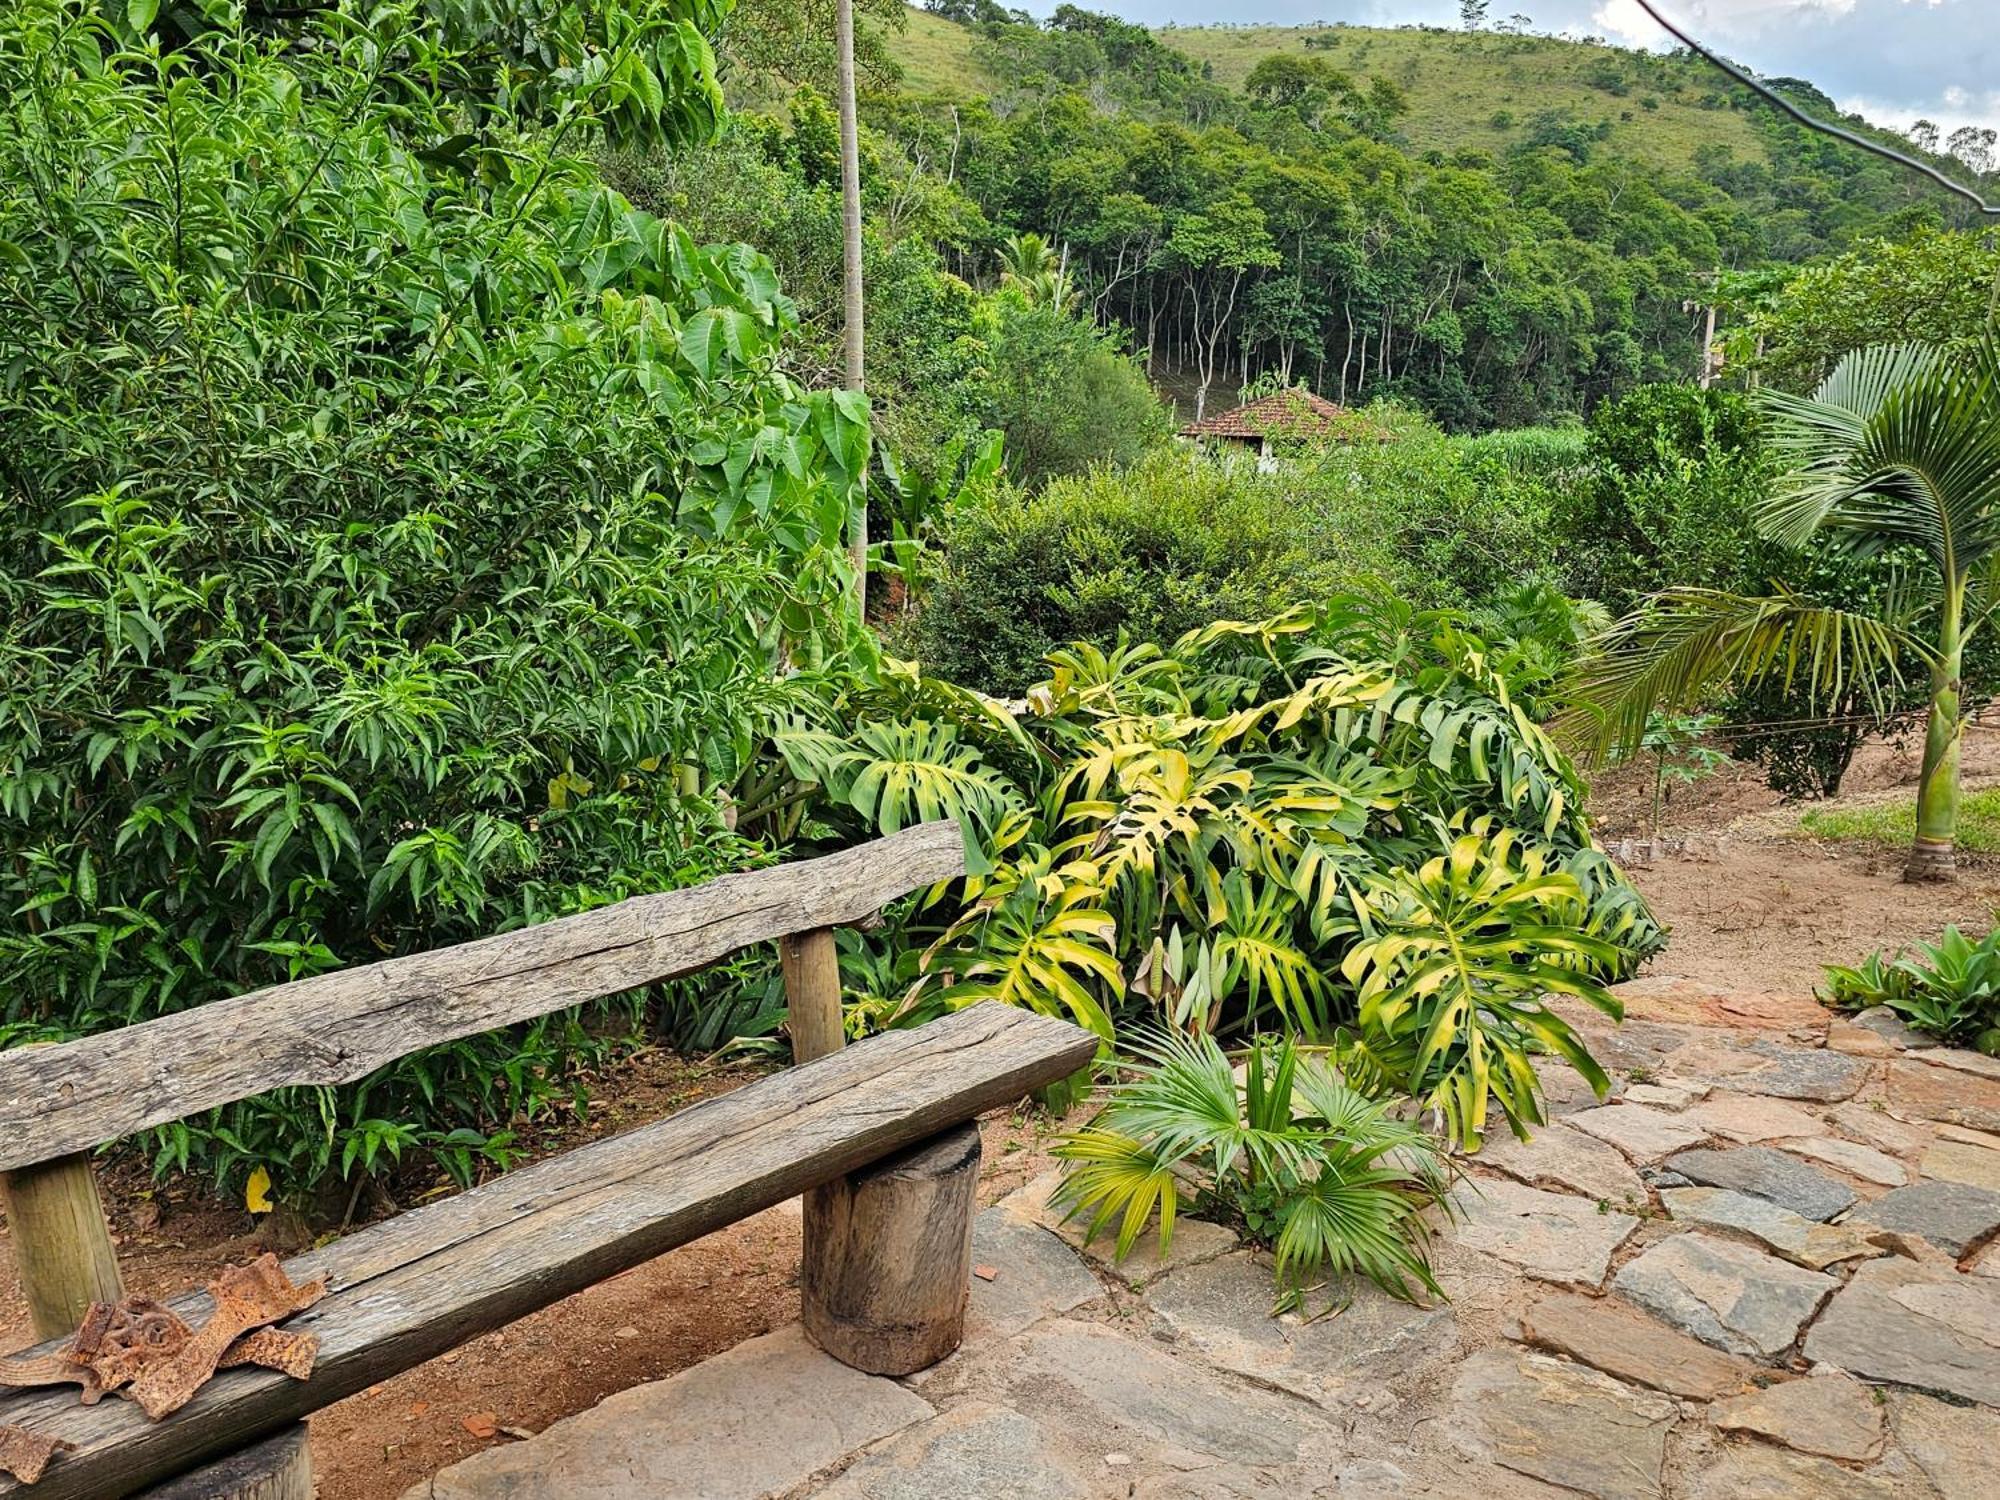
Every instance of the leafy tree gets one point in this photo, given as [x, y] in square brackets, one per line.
[1063, 394]
[1900, 446]
[1211, 253]
[402, 540]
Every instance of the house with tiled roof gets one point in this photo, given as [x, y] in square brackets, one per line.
[1283, 416]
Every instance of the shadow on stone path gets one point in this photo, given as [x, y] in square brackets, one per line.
[1765, 1269]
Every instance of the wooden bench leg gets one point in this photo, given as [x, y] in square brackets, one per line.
[279, 1468]
[62, 1246]
[888, 1256]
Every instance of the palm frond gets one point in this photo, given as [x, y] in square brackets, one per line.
[1685, 643]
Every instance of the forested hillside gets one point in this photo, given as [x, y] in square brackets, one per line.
[1501, 228]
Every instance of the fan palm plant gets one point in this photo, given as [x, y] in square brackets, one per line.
[1898, 450]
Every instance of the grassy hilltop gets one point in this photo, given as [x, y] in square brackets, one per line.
[1467, 91]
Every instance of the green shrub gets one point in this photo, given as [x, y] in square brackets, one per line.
[1334, 823]
[1949, 990]
[1315, 1171]
[1149, 552]
[399, 545]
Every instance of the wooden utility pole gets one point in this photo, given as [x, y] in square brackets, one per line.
[850, 255]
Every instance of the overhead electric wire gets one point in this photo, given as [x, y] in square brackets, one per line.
[1950, 184]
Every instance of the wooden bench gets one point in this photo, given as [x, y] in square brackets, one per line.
[420, 1283]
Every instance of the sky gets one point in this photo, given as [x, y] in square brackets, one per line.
[1893, 61]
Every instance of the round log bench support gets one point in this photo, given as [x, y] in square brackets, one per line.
[888, 1256]
[279, 1468]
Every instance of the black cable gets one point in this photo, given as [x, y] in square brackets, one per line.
[1948, 183]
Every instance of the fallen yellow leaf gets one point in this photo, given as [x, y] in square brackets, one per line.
[257, 1192]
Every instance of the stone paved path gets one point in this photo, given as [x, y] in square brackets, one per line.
[1766, 1269]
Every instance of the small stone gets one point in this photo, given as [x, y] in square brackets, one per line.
[1725, 1294]
[1747, 1118]
[1954, 1216]
[1953, 1445]
[1955, 1161]
[1757, 1471]
[1561, 1423]
[1040, 1275]
[1831, 1415]
[1550, 1236]
[1665, 1095]
[1118, 1460]
[1609, 1335]
[1864, 1162]
[1643, 1134]
[627, 1332]
[1785, 1180]
[1918, 1325]
[1798, 1239]
[1558, 1157]
[1942, 1093]
[1878, 1128]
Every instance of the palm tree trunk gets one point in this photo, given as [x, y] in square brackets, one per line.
[1932, 856]
[850, 255]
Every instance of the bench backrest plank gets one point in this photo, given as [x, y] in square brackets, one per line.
[337, 1027]
[418, 1284]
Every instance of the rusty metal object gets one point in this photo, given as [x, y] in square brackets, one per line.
[274, 1349]
[26, 1454]
[46, 1369]
[246, 1297]
[119, 1339]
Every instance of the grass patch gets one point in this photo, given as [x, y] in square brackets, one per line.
[1895, 823]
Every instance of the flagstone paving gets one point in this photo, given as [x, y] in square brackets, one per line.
[1767, 1268]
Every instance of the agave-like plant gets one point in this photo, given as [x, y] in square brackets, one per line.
[1328, 1177]
[1898, 448]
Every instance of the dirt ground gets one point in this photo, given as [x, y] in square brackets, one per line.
[1749, 901]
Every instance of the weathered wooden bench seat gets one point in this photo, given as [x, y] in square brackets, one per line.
[420, 1283]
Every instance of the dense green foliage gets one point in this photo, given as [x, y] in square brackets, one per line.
[1949, 990]
[1335, 824]
[1282, 221]
[400, 540]
[1324, 1176]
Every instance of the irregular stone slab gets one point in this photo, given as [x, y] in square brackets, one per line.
[973, 1452]
[1956, 1446]
[1693, 1002]
[1798, 1239]
[1630, 1045]
[1794, 1072]
[1551, 1236]
[1882, 1022]
[1756, 1471]
[1864, 1162]
[1222, 1310]
[1665, 1095]
[1035, 1275]
[753, 1421]
[1193, 1242]
[1878, 1128]
[1764, 1173]
[1610, 1335]
[1564, 1091]
[1916, 1325]
[1955, 1161]
[1561, 1423]
[1133, 1394]
[1831, 1415]
[1857, 1041]
[1749, 1118]
[1917, 1088]
[1724, 1293]
[1642, 1134]
[1558, 1157]
[1960, 1060]
[1954, 1216]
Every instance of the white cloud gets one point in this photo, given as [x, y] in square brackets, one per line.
[1723, 21]
[1956, 107]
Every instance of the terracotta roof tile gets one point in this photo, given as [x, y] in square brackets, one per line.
[1280, 414]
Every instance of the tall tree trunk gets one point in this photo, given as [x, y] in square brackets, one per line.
[850, 256]
[1933, 855]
